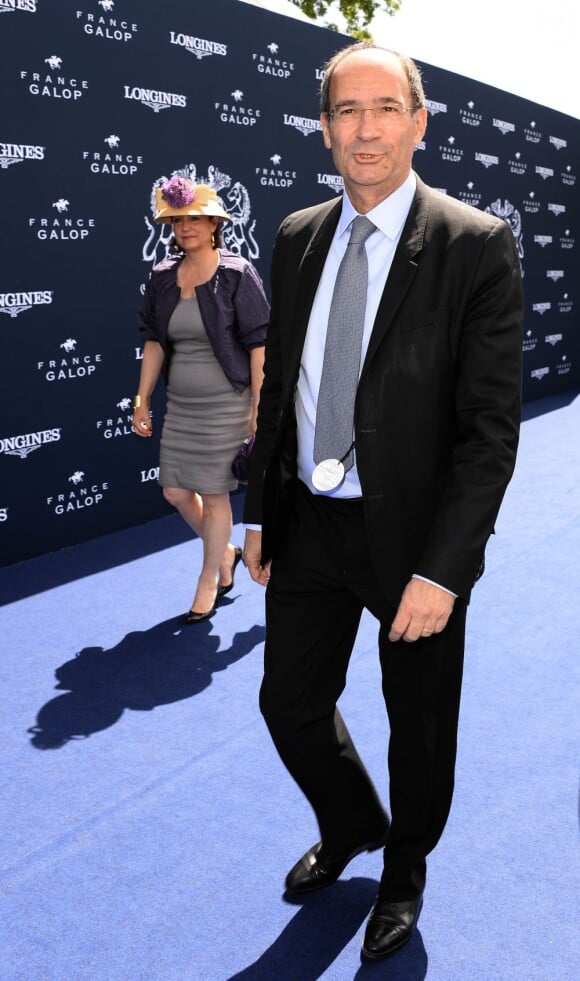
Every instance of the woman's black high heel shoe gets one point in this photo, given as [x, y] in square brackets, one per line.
[194, 617]
[223, 590]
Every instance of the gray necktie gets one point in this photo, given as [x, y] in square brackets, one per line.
[333, 435]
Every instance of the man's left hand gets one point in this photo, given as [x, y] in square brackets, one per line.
[424, 610]
[252, 557]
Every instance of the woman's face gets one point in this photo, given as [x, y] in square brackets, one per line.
[193, 232]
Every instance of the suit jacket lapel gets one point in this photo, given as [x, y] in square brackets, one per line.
[307, 280]
[402, 271]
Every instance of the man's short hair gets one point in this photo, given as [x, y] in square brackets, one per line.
[409, 67]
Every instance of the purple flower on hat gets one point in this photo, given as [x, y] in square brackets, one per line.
[178, 192]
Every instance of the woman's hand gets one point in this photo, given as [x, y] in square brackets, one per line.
[253, 422]
[142, 421]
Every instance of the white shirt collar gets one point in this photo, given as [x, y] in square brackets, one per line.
[389, 216]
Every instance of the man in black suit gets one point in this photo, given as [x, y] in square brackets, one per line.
[402, 532]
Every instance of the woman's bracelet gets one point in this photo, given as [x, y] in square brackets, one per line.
[138, 401]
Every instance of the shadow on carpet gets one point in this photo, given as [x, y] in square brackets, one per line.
[146, 669]
[324, 925]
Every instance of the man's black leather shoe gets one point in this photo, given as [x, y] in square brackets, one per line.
[320, 867]
[390, 925]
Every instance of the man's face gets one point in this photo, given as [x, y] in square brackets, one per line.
[373, 150]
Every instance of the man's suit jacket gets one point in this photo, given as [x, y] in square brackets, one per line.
[438, 403]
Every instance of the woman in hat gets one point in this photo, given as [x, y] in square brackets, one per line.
[203, 321]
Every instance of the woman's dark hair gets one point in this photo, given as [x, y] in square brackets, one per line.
[217, 235]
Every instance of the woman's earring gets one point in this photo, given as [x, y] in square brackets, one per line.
[213, 240]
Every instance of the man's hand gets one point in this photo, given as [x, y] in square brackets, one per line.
[424, 610]
[252, 554]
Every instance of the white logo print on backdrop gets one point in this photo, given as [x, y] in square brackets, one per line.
[199, 46]
[119, 422]
[15, 303]
[73, 367]
[64, 228]
[114, 162]
[111, 28]
[272, 63]
[79, 496]
[9, 6]
[54, 84]
[277, 175]
[469, 117]
[516, 164]
[11, 153]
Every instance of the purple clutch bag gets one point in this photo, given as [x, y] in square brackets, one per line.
[242, 460]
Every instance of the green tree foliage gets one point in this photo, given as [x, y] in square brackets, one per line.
[357, 14]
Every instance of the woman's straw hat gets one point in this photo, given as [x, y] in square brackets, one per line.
[179, 196]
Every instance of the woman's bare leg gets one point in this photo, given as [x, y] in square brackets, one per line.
[190, 507]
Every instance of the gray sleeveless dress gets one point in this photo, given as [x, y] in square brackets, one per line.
[206, 420]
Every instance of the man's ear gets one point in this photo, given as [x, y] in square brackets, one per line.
[325, 130]
[421, 117]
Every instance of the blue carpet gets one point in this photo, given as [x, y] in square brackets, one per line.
[147, 822]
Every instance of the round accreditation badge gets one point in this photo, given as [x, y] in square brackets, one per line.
[327, 475]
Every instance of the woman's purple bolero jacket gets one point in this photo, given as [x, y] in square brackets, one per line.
[233, 307]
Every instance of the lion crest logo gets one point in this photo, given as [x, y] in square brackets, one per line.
[237, 234]
[510, 214]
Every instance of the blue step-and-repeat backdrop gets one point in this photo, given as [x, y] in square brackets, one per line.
[103, 100]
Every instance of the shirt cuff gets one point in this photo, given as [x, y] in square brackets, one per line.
[439, 586]
[253, 527]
